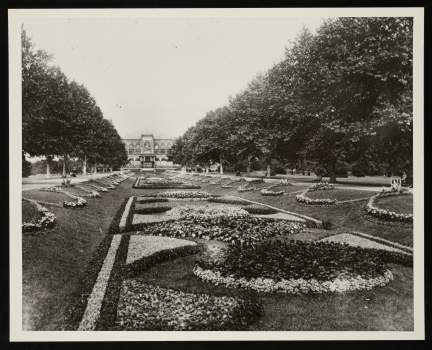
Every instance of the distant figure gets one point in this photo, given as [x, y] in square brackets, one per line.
[308, 172]
[292, 171]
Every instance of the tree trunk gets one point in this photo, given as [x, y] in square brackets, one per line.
[221, 166]
[48, 173]
[95, 169]
[85, 165]
[64, 166]
[268, 172]
[249, 165]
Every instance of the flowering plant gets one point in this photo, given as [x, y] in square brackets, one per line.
[244, 229]
[182, 195]
[46, 219]
[267, 192]
[302, 198]
[146, 307]
[296, 267]
[321, 186]
[77, 203]
[207, 212]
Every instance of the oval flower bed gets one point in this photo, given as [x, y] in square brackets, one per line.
[296, 267]
[146, 307]
[385, 214]
[44, 219]
[321, 186]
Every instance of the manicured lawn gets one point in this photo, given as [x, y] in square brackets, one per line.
[50, 197]
[29, 211]
[345, 217]
[389, 307]
[340, 194]
[54, 260]
[398, 204]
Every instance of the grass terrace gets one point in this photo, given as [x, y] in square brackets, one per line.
[340, 194]
[398, 204]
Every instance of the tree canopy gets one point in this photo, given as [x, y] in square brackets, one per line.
[340, 96]
[60, 117]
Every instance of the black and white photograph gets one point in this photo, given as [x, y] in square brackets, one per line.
[216, 174]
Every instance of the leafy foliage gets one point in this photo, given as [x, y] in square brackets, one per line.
[341, 96]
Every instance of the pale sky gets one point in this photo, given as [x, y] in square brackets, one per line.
[161, 75]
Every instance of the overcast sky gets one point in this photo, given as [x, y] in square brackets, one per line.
[161, 75]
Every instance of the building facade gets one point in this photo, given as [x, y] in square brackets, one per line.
[148, 152]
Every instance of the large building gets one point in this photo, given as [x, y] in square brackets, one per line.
[148, 152]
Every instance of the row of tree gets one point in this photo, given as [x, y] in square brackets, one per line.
[61, 119]
[340, 96]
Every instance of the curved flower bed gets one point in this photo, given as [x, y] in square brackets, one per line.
[181, 195]
[147, 307]
[302, 198]
[385, 214]
[46, 219]
[245, 229]
[267, 192]
[296, 267]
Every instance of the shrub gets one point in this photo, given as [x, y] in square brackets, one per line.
[151, 200]
[327, 224]
[258, 209]
[152, 210]
[226, 200]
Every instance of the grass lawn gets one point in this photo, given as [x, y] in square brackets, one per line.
[398, 204]
[29, 211]
[389, 307]
[54, 260]
[340, 194]
[345, 217]
[50, 197]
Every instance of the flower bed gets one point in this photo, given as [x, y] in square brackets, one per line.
[384, 214]
[267, 192]
[45, 219]
[77, 203]
[147, 307]
[302, 198]
[207, 212]
[296, 267]
[321, 186]
[245, 229]
[181, 195]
